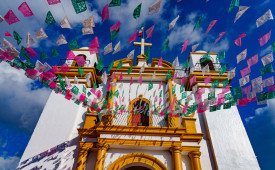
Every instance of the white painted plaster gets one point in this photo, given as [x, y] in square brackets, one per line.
[139, 137]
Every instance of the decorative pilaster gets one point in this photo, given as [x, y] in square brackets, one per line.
[176, 157]
[172, 121]
[101, 154]
[195, 160]
[83, 151]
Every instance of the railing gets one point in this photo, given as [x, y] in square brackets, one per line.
[70, 62]
[216, 66]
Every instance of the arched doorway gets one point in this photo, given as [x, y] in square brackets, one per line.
[137, 160]
[137, 168]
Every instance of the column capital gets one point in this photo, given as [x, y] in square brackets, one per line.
[85, 146]
[175, 149]
[103, 146]
[194, 154]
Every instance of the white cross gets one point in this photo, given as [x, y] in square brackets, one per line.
[142, 44]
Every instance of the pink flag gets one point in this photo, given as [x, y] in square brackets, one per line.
[108, 86]
[7, 56]
[149, 32]
[140, 80]
[243, 101]
[82, 97]
[55, 69]
[160, 100]
[246, 89]
[271, 88]
[31, 52]
[252, 60]
[175, 76]
[68, 95]
[113, 76]
[94, 43]
[182, 80]
[93, 50]
[121, 76]
[211, 25]
[184, 108]
[207, 80]
[245, 71]
[105, 13]
[160, 84]
[226, 89]
[221, 100]
[192, 80]
[64, 68]
[10, 17]
[25, 9]
[53, 85]
[8, 34]
[80, 60]
[156, 99]
[115, 27]
[184, 46]
[31, 72]
[221, 35]
[98, 93]
[53, 2]
[160, 62]
[133, 37]
[263, 40]
[131, 82]
[198, 96]
[238, 41]
[70, 55]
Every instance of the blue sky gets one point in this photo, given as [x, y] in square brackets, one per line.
[22, 99]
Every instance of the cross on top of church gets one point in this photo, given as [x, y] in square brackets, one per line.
[142, 44]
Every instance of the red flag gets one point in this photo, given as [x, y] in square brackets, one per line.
[133, 37]
[105, 13]
[238, 41]
[8, 34]
[25, 9]
[10, 17]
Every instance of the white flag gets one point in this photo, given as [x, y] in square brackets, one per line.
[205, 69]
[65, 23]
[131, 55]
[173, 23]
[250, 95]
[257, 81]
[89, 22]
[39, 66]
[7, 44]
[175, 62]
[67, 81]
[40, 34]
[1, 19]
[30, 40]
[241, 11]
[108, 49]
[268, 82]
[104, 77]
[76, 80]
[47, 67]
[194, 47]
[267, 59]
[117, 48]
[13, 52]
[86, 31]
[61, 40]
[88, 77]
[142, 69]
[241, 56]
[154, 8]
[243, 81]
[267, 16]
[231, 74]
[154, 75]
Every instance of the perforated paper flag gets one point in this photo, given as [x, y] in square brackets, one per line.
[252, 60]
[267, 59]
[89, 22]
[114, 3]
[17, 37]
[108, 49]
[114, 30]
[54, 53]
[246, 89]
[192, 80]
[40, 34]
[211, 25]
[137, 10]
[264, 18]
[133, 37]
[31, 52]
[87, 31]
[173, 23]
[10, 17]
[30, 40]
[105, 13]
[175, 62]
[220, 36]
[80, 60]
[184, 46]
[243, 81]
[79, 6]
[70, 55]
[194, 47]
[131, 55]
[73, 44]
[241, 56]
[53, 2]
[238, 41]
[198, 23]
[264, 39]
[268, 81]
[94, 43]
[117, 48]
[61, 40]
[245, 71]
[50, 19]
[65, 23]
[25, 9]
[149, 32]
[154, 8]
[241, 11]
[43, 55]
[1, 19]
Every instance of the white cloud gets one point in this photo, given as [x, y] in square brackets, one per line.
[222, 45]
[9, 162]
[20, 105]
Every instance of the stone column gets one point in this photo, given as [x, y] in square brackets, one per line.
[195, 160]
[101, 154]
[176, 157]
[83, 151]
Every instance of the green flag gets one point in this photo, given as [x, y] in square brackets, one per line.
[267, 69]
[160, 94]
[185, 65]
[119, 65]
[220, 56]
[75, 90]
[232, 4]
[137, 10]
[228, 96]
[24, 53]
[150, 86]
[43, 55]
[116, 93]
[89, 94]
[198, 23]
[73, 45]
[168, 75]
[54, 53]
[238, 92]
[129, 70]
[226, 105]
[147, 53]
[17, 37]
[79, 6]
[212, 109]
[261, 97]
[114, 34]
[94, 86]
[273, 46]
[29, 64]
[173, 89]
[205, 57]
[215, 84]
[182, 88]
[211, 96]
[84, 89]
[111, 94]
[100, 64]
[222, 70]
[80, 71]
[165, 46]
[184, 95]
[17, 63]
[114, 3]
[50, 19]
[225, 82]
[110, 66]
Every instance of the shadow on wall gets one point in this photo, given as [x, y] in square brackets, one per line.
[62, 156]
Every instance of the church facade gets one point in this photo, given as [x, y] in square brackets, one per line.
[70, 136]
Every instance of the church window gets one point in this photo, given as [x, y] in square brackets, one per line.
[140, 113]
[207, 62]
